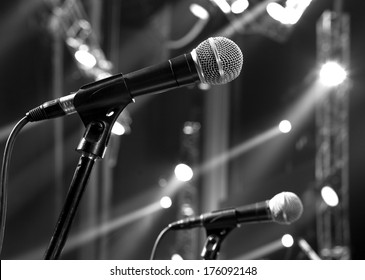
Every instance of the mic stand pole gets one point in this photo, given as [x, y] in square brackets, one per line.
[73, 198]
[213, 243]
[92, 146]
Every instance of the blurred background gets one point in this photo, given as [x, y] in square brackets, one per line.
[228, 137]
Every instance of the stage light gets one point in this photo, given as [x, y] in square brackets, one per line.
[332, 74]
[191, 128]
[183, 172]
[295, 9]
[277, 12]
[287, 240]
[203, 86]
[165, 202]
[118, 129]
[223, 5]
[291, 13]
[285, 126]
[85, 58]
[329, 196]
[187, 210]
[122, 124]
[176, 257]
[239, 6]
[199, 11]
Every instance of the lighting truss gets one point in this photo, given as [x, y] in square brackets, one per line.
[82, 40]
[188, 198]
[332, 151]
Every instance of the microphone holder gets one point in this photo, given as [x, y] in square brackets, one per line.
[98, 123]
[213, 242]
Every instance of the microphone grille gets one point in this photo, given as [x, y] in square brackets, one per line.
[220, 60]
[286, 207]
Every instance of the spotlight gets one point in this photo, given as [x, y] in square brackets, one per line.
[329, 196]
[118, 129]
[191, 128]
[291, 13]
[287, 240]
[203, 86]
[176, 257]
[183, 172]
[85, 58]
[285, 126]
[165, 202]
[223, 5]
[122, 124]
[199, 11]
[276, 11]
[239, 6]
[332, 74]
[187, 210]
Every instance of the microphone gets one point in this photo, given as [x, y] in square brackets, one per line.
[283, 208]
[215, 61]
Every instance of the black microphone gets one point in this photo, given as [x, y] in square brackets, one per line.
[283, 208]
[215, 61]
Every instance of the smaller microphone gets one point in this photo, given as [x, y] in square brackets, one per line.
[283, 208]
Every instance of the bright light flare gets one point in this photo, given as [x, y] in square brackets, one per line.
[332, 74]
[183, 172]
[277, 12]
[291, 13]
[118, 129]
[287, 240]
[187, 210]
[191, 128]
[199, 11]
[239, 6]
[285, 126]
[85, 58]
[166, 202]
[223, 5]
[329, 196]
[177, 257]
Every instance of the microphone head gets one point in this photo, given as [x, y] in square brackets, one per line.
[219, 60]
[286, 207]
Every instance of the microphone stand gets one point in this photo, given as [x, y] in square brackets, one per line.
[213, 242]
[98, 123]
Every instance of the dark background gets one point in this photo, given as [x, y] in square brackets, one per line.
[133, 34]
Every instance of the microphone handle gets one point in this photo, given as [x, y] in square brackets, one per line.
[258, 212]
[211, 220]
[176, 72]
[227, 218]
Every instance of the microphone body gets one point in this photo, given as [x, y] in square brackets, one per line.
[176, 72]
[283, 208]
[215, 61]
[230, 217]
[120, 89]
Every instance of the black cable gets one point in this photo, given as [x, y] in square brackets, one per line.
[158, 239]
[4, 174]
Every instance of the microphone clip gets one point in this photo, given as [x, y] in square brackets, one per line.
[213, 242]
[99, 113]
